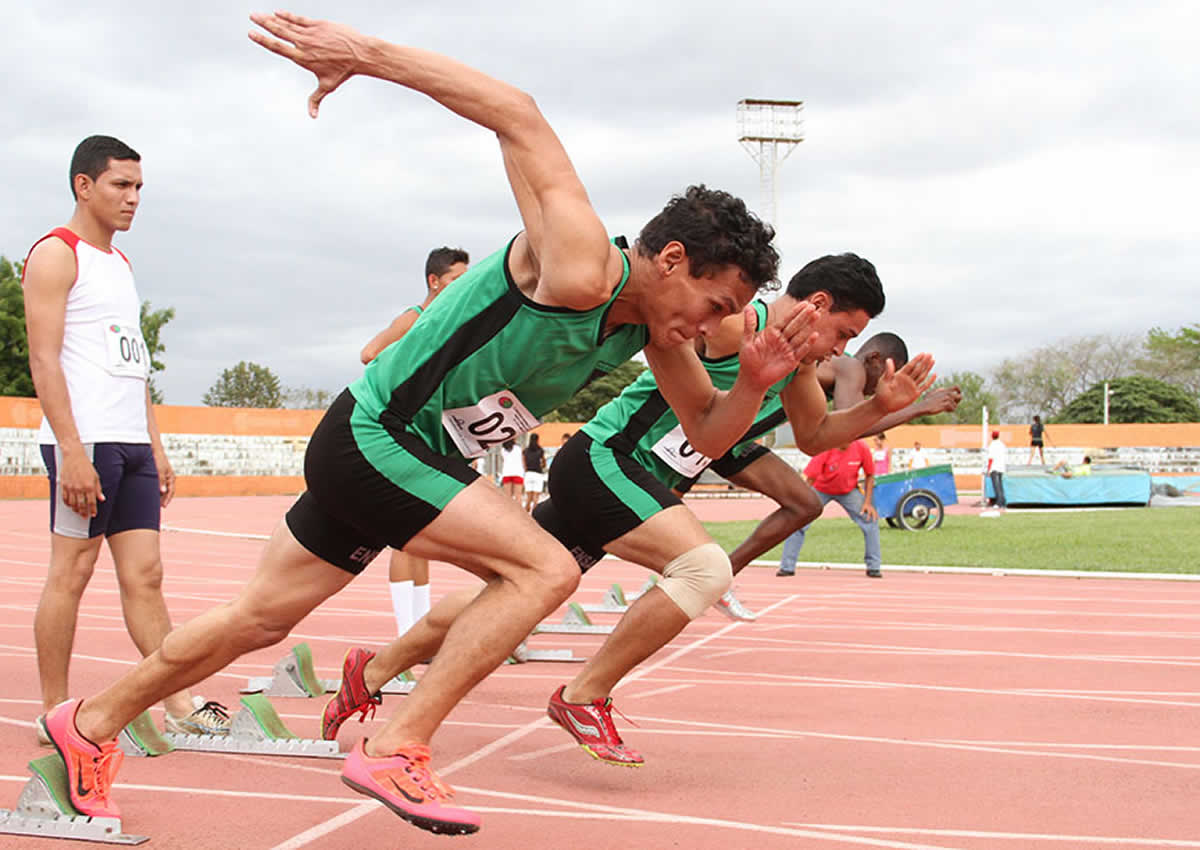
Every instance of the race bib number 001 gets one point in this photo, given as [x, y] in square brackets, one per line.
[677, 453]
[125, 352]
[496, 418]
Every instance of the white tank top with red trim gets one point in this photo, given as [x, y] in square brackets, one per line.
[103, 354]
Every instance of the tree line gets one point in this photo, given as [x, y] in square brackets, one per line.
[1155, 378]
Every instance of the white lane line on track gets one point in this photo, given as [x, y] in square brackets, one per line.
[743, 678]
[308, 836]
[548, 751]
[1078, 840]
[827, 646]
[730, 728]
[667, 690]
[1070, 746]
[572, 809]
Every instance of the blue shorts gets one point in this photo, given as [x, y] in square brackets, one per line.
[129, 482]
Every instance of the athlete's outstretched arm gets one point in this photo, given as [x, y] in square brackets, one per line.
[941, 400]
[570, 254]
[816, 430]
[713, 419]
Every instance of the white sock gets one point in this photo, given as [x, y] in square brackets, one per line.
[420, 601]
[402, 604]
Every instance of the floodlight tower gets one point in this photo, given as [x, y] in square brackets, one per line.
[769, 130]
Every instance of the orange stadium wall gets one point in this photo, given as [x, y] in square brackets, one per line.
[208, 446]
[1164, 449]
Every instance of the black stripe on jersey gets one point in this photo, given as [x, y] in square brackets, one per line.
[642, 420]
[412, 394]
[416, 447]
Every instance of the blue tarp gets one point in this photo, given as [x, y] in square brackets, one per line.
[1102, 487]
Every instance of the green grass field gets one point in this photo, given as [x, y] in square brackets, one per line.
[1133, 540]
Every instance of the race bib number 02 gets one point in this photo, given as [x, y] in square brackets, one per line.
[677, 453]
[496, 418]
[125, 352]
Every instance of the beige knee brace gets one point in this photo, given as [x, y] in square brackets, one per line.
[697, 578]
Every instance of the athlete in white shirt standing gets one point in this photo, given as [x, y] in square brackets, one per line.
[109, 476]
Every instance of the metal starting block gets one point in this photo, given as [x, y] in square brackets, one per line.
[650, 583]
[294, 676]
[142, 738]
[256, 729]
[524, 655]
[44, 810]
[574, 622]
[613, 602]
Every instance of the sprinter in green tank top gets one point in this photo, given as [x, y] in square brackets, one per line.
[606, 493]
[517, 335]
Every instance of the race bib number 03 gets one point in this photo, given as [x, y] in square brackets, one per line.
[496, 418]
[125, 352]
[677, 453]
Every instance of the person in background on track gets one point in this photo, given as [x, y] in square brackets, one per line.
[109, 475]
[408, 576]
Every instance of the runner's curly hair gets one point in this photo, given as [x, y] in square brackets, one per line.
[717, 231]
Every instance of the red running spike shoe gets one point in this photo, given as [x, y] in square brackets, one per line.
[352, 695]
[592, 726]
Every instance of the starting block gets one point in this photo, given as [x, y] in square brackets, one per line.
[294, 676]
[613, 602]
[44, 810]
[523, 655]
[142, 738]
[574, 622]
[256, 729]
[650, 583]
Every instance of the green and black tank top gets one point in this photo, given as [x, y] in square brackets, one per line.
[640, 424]
[483, 338]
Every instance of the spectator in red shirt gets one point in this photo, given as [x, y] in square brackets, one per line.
[834, 475]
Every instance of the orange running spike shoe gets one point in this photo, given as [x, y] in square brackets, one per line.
[90, 768]
[406, 784]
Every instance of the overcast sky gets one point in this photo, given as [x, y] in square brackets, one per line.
[1018, 172]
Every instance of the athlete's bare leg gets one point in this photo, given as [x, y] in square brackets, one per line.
[290, 581]
[798, 506]
[139, 570]
[72, 562]
[654, 618]
[527, 574]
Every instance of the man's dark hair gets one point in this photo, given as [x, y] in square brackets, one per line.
[888, 345]
[717, 230]
[93, 153]
[851, 280]
[441, 259]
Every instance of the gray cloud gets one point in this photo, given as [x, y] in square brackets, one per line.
[1018, 172]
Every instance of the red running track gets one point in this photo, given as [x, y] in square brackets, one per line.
[920, 711]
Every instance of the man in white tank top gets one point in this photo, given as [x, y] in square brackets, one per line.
[109, 476]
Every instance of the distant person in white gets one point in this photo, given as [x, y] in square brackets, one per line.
[997, 465]
[109, 476]
[917, 459]
[512, 470]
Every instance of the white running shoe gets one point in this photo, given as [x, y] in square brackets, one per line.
[732, 607]
[209, 718]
